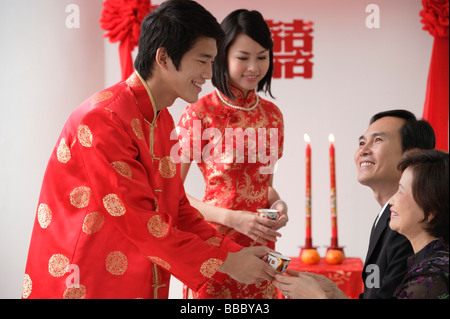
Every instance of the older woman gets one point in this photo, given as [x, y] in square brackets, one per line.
[419, 211]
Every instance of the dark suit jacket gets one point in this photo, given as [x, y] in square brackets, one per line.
[386, 260]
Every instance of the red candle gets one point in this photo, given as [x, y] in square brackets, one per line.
[308, 240]
[334, 238]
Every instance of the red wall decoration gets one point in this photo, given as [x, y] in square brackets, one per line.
[435, 16]
[293, 46]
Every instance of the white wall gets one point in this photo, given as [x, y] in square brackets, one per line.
[48, 69]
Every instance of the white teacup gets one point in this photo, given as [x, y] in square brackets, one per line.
[268, 213]
[278, 261]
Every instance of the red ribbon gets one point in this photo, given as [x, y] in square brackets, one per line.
[435, 17]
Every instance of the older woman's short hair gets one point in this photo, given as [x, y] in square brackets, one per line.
[430, 187]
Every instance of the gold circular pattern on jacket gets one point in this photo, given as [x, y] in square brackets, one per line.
[122, 168]
[114, 205]
[101, 96]
[57, 265]
[116, 263]
[63, 152]
[157, 227]
[133, 81]
[44, 215]
[164, 264]
[80, 196]
[84, 135]
[75, 292]
[167, 167]
[93, 222]
[214, 241]
[210, 267]
[27, 286]
[137, 128]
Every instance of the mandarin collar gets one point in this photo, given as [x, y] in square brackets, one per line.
[240, 99]
[144, 97]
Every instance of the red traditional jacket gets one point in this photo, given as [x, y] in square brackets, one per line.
[113, 220]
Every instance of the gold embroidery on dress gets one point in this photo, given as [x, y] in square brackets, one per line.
[101, 96]
[122, 168]
[157, 227]
[116, 263]
[233, 184]
[340, 277]
[155, 202]
[219, 178]
[75, 292]
[85, 136]
[210, 267]
[247, 191]
[137, 128]
[214, 241]
[156, 260]
[167, 167]
[114, 205]
[63, 152]
[238, 120]
[80, 196]
[263, 121]
[57, 265]
[27, 287]
[44, 215]
[133, 81]
[93, 222]
[264, 290]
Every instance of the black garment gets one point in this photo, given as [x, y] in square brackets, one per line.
[427, 276]
[386, 260]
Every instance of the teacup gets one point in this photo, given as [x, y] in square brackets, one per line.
[278, 261]
[268, 213]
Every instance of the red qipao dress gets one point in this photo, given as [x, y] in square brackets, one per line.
[236, 150]
[113, 220]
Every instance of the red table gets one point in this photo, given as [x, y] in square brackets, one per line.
[347, 275]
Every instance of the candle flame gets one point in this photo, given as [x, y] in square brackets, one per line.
[307, 139]
[331, 138]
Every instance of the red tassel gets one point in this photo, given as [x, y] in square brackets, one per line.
[122, 20]
[435, 17]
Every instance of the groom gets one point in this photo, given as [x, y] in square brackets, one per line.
[112, 206]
